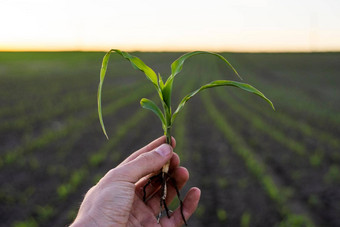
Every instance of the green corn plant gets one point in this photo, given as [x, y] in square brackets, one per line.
[164, 91]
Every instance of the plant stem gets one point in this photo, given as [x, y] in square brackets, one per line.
[165, 168]
[168, 135]
[164, 174]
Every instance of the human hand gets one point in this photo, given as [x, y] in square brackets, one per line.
[117, 199]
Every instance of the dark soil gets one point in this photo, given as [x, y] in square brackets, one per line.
[227, 186]
[231, 194]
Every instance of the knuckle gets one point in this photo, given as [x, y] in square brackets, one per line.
[147, 158]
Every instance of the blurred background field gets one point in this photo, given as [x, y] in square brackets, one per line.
[256, 167]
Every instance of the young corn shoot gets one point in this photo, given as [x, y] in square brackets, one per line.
[164, 90]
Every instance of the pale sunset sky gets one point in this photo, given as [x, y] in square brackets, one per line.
[156, 25]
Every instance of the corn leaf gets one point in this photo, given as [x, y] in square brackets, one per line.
[99, 94]
[176, 67]
[218, 83]
[160, 81]
[150, 105]
[136, 63]
[167, 91]
[139, 64]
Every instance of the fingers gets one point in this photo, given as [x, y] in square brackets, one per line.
[190, 203]
[179, 179]
[155, 182]
[181, 176]
[143, 165]
[151, 146]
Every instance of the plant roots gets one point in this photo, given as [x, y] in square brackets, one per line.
[164, 177]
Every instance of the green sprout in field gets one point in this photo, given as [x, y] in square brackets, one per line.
[164, 90]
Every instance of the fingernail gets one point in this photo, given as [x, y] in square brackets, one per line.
[164, 150]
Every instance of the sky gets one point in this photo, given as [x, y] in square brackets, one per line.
[156, 25]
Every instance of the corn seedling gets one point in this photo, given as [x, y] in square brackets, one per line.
[164, 91]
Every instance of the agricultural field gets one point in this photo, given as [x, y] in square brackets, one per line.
[255, 167]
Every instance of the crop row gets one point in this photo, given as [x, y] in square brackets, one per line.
[294, 134]
[76, 127]
[104, 154]
[26, 129]
[252, 160]
[313, 74]
[78, 175]
[297, 102]
[254, 163]
[287, 158]
[318, 167]
[321, 145]
[288, 139]
[260, 125]
[323, 113]
[286, 121]
[72, 125]
[67, 104]
[196, 147]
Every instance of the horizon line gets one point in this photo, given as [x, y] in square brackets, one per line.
[174, 50]
[168, 48]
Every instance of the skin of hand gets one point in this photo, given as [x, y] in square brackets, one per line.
[117, 199]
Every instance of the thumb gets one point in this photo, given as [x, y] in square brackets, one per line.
[144, 164]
